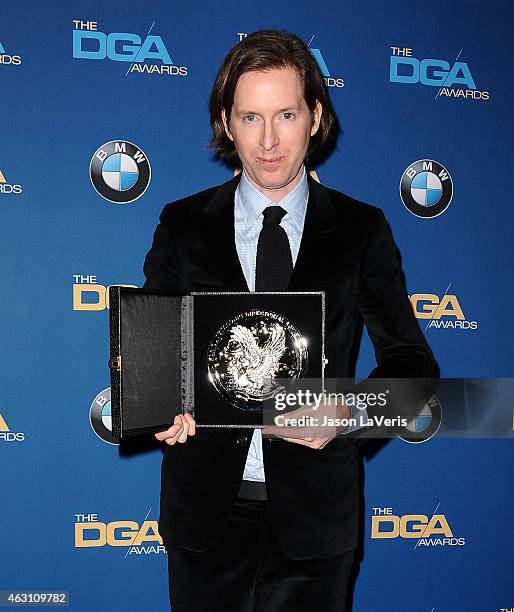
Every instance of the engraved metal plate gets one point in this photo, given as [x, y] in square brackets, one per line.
[249, 352]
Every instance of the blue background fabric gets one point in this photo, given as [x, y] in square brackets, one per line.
[80, 516]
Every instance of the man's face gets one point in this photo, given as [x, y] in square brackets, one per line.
[271, 126]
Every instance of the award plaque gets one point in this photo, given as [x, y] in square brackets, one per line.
[249, 351]
[219, 356]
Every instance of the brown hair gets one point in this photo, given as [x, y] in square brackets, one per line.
[260, 51]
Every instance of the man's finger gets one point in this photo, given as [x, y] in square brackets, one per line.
[179, 420]
[182, 437]
[192, 423]
[162, 435]
[172, 431]
[301, 441]
[315, 443]
[172, 439]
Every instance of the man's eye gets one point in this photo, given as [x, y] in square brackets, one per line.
[288, 115]
[249, 118]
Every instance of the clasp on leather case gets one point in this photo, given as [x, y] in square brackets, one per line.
[115, 363]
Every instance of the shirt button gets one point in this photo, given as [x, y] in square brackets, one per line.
[242, 440]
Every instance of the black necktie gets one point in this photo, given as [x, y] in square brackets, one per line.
[274, 263]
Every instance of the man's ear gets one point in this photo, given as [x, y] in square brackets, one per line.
[225, 124]
[316, 117]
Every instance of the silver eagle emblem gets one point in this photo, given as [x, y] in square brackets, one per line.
[252, 364]
[252, 354]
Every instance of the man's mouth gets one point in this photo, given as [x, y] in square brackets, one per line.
[270, 162]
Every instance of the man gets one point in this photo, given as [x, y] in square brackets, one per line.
[253, 522]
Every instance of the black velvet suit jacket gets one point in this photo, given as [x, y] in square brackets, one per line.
[346, 250]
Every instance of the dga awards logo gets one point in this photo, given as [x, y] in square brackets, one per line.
[7, 58]
[6, 435]
[139, 539]
[100, 417]
[442, 312]
[330, 79]
[453, 80]
[426, 188]
[426, 424]
[426, 530]
[6, 187]
[120, 171]
[89, 294]
[146, 54]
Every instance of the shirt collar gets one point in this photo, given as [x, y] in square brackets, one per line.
[254, 201]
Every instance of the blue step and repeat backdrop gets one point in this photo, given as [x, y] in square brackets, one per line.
[424, 96]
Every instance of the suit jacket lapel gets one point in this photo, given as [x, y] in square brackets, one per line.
[215, 221]
[315, 245]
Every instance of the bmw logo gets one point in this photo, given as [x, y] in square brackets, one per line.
[100, 417]
[426, 424]
[120, 171]
[426, 188]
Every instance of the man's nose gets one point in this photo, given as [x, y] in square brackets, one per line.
[269, 136]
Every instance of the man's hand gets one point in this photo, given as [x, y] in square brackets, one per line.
[320, 432]
[183, 426]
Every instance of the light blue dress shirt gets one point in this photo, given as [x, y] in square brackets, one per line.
[248, 217]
